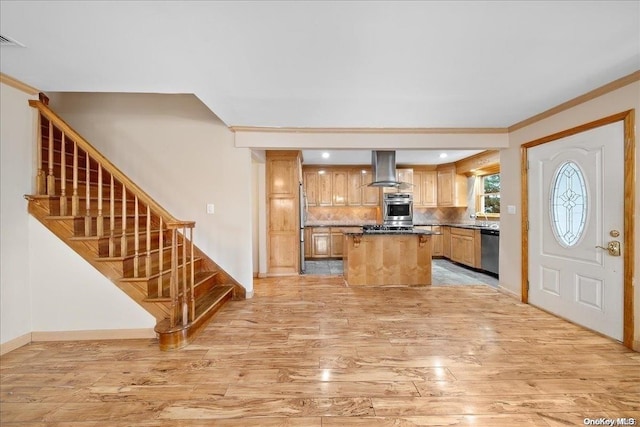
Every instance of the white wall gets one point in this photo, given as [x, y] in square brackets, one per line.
[16, 147]
[70, 295]
[183, 156]
[623, 99]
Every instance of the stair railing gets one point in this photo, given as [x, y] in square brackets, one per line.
[162, 232]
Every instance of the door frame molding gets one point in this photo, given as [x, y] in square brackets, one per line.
[628, 117]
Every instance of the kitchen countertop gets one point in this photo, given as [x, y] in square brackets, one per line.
[393, 233]
[493, 226]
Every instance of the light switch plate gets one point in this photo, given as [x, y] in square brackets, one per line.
[210, 208]
[511, 209]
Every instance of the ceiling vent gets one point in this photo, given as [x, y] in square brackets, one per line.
[8, 41]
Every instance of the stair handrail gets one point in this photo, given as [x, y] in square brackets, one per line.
[110, 167]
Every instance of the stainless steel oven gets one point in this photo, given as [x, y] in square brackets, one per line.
[397, 209]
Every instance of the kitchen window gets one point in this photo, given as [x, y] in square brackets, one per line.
[488, 194]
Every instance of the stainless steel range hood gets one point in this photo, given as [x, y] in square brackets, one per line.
[384, 169]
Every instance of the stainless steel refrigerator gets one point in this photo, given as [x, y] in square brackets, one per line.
[303, 219]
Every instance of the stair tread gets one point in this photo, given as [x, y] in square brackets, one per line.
[128, 233]
[203, 305]
[198, 278]
[130, 256]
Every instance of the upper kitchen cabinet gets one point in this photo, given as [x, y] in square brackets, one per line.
[370, 195]
[405, 177]
[425, 188]
[340, 183]
[339, 186]
[452, 187]
[354, 189]
[325, 188]
[310, 180]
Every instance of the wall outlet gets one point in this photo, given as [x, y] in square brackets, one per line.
[210, 208]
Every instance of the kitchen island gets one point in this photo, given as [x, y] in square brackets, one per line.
[394, 258]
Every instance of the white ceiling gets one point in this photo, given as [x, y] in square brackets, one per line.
[330, 64]
[403, 157]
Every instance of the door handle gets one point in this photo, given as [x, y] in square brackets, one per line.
[613, 248]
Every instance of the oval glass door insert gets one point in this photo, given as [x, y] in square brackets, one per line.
[568, 204]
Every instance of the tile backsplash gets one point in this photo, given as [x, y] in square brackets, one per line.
[427, 215]
[343, 215]
[368, 215]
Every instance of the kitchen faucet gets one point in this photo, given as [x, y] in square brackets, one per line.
[486, 218]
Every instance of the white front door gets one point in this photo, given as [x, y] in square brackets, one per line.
[575, 207]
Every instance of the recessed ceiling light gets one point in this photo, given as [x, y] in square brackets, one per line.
[443, 155]
[325, 155]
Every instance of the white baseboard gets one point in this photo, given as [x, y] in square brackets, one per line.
[509, 292]
[99, 334]
[15, 343]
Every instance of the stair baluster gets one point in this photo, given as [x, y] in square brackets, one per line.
[75, 198]
[123, 239]
[160, 292]
[63, 176]
[112, 216]
[192, 281]
[51, 180]
[87, 218]
[136, 238]
[100, 218]
[147, 261]
[40, 177]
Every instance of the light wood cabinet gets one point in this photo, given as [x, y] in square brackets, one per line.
[310, 180]
[446, 241]
[425, 189]
[370, 195]
[354, 188]
[452, 188]
[437, 241]
[320, 242]
[429, 189]
[325, 188]
[283, 226]
[307, 243]
[465, 246]
[337, 238]
[405, 176]
[339, 185]
[327, 242]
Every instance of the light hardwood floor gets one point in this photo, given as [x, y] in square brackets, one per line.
[310, 351]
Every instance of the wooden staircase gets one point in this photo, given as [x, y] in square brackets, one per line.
[107, 219]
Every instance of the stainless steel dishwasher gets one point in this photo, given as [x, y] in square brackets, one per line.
[489, 250]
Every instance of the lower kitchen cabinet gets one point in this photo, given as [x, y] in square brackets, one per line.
[320, 242]
[327, 242]
[446, 241]
[465, 246]
[437, 241]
